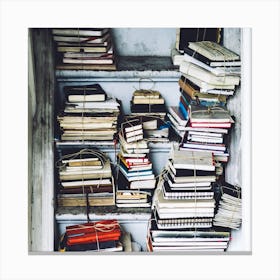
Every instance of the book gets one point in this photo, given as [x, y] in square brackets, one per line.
[175, 112]
[81, 39]
[188, 68]
[105, 67]
[186, 35]
[88, 60]
[148, 100]
[80, 31]
[193, 160]
[176, 57]
[82, 48]
[211, 63]
[144, 93]
[213, 51]
[170, 193]
[131, 125]
[181, 223]
[77, 93]
[229, 213]
[216, 114]
[215, 71]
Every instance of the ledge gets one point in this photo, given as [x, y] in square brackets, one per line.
[129, 68]
[66, 214]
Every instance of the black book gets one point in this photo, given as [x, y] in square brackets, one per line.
[84, 93]
[186, 35]
[92, 246]
[210, 62]
[147, 108]
[178, 172]
[186, 194]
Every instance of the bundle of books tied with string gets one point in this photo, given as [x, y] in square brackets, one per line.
[99, 236]
[88, 114]
[184, 206]
[229, 213]
[85, 179]
[135, 179]
[209, 130]
[84, 49]
[148, 102]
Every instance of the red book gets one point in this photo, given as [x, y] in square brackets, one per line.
[93, 232]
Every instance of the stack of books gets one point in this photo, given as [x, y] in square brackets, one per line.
[208, 130]
[85, 179]
[148, 103]
[184, 201]
[101, 236]
[154, 128]
[135, 168]
[229, 213]
[177, 120]
[84, 48]
[89, 114]
[209, 68]
[214, 239]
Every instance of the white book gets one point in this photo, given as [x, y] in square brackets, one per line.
[213, 51]
[193, 160]
[198, 72]
[205, 86]
[215, 71]
[110, 103]
[80, 31]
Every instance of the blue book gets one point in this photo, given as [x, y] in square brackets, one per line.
[183, 111]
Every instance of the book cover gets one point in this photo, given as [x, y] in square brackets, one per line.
[213, 51]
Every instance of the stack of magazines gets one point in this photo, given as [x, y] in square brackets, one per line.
[84, 48]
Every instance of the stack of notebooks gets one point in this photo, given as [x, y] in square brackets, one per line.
[186, 35]
[184, 206]
[208, 130]
[89, 114]
[101, 236]
[229, 212]
[178, 119]
[214, 239]
[136, 179]
[85, 179]
[154, 128]
[209, 68]
[148, 103]
[84, 48]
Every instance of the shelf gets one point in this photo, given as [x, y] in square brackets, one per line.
[102, 212]
[109, 146]
[129, 68]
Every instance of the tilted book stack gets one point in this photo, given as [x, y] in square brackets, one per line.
[101, 236]
[85, 179]
[89, 114]
[84, 49]
[229, 212]
[135, 179]
[154, 128]
[184, 205]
